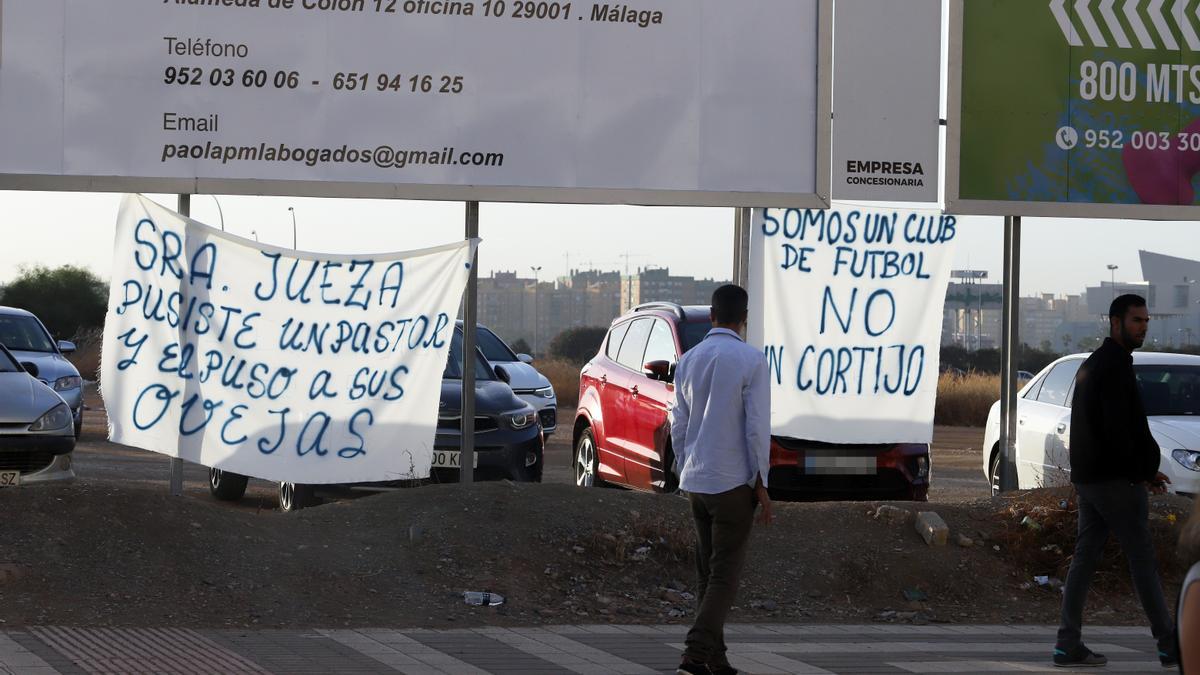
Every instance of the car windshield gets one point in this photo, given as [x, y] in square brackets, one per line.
[693, 332]
[7, 363]
[24, 334]
[454, 368]
[493, 347]
[1169, 390]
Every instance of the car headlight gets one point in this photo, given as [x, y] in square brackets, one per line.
[545, 392]
[521, 420]
[68, 382]
[59, 417]
[1188, 459]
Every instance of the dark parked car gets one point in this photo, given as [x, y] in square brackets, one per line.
[622, 436]
[508, 438]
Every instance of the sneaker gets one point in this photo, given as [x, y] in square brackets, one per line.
[1081, 657]
[692, 668]
[1168, 660]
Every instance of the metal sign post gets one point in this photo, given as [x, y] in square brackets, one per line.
[741, 246]
[184, 209]
[1008, 353]
[466, 457]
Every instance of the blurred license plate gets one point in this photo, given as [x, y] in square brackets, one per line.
[448, 459]
[10, 479]
[839, 465]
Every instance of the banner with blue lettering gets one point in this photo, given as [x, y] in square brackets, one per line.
[273, 363]
[847, 307]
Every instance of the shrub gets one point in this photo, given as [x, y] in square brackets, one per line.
[577, 345]
[964, 401]
[564, 375]
[68, 299]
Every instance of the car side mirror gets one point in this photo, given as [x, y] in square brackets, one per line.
[658, 370]
[503, 374]
[30, 367]
[524, 358]
[66, 346]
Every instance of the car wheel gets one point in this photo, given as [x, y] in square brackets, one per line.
[994, 473]
[295, 496]
[587, 464]
[225, 485]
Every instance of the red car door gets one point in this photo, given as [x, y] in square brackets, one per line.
[618, 396]
[646, 461]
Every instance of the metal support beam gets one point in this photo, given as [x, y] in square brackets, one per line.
[466, 457]
[741, 246]
[184, 207]
[1008, 353]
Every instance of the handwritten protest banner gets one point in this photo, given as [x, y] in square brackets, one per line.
[847, 307]
[272, 363]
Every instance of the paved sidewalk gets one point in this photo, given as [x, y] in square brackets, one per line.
[585, 650]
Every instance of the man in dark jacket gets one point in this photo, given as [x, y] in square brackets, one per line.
[1114, 466]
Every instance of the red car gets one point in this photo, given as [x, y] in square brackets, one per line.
[622, 437]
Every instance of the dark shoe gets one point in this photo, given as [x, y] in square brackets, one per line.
[722, 670]
[1081, 657]
[692, 668]
[1168, 660]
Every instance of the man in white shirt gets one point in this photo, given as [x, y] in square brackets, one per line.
[721, 435]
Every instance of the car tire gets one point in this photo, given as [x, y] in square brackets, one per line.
[587, 461]
[226, 485]
[994, 472]
[296, 496]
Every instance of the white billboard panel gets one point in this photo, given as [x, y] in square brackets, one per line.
[671, 101]
[886, 96]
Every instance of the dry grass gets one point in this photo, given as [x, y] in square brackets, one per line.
[1038, 531]
[565, 378]
[86, 358]
[964, 400]
[655, 537]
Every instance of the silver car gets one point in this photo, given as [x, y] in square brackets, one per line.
[30, 343]
[36, 431]
[526, 382]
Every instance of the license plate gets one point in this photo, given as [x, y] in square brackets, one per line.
[449, 459]
[839, 465]
[10, 479]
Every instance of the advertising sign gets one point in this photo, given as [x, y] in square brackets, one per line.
[847, 307]
[687, 102]
[1084, 108]
[271, 363]
[887, 94]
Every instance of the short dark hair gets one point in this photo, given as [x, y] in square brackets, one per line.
[729, 304]
[1121, 304]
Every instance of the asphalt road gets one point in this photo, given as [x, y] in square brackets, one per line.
[957, 473]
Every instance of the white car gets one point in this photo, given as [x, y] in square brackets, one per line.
[527, 383]
[1170, 387]
[36, 430]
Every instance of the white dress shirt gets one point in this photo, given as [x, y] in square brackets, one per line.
[720, 420]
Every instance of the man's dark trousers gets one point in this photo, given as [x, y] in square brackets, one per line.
[723, 523]
[1123, 509]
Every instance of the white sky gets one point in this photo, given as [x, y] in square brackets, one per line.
[1058, 255]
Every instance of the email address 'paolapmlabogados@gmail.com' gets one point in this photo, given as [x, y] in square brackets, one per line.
[383, 156]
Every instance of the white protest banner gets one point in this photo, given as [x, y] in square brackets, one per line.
[272, 363]
[847, 307]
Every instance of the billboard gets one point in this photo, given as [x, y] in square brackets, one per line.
[1093, 112]
[887, 95]
[446, 99]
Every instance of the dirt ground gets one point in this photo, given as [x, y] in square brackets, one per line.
[114, 549]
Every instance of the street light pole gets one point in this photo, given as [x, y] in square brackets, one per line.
[1112, 279]
[220, 212]
[535, 271]
[254, 233]
[292, 210]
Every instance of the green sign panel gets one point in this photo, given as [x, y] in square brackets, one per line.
[1075, 108]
